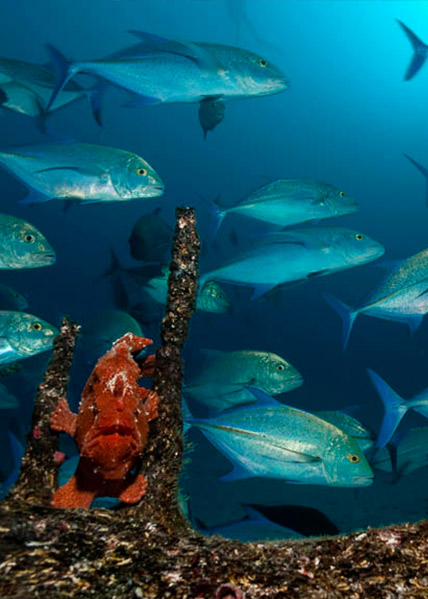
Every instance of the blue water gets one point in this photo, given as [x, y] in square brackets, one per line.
[347, 119]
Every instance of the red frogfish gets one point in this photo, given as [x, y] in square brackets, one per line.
[110, 428]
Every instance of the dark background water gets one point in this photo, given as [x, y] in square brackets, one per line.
[346, 119]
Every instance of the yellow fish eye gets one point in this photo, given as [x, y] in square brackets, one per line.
[359, 236]
[29, 238]
[342, 194]
[353, 458]
[37, 326]
[142, 171]
[263, 62]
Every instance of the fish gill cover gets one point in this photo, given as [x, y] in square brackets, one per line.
[290, 129]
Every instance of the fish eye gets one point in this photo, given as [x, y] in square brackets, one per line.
[37, 326]
[263, 62]
[342, 194]
[29, 238]
[359, 236]
[142, 171]
[353, 458]
[280, 367]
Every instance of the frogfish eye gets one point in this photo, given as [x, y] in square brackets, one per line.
[142, 172]
[37, 326]
[263, 62]
[29, 238]
[359, 236]
[353, 458]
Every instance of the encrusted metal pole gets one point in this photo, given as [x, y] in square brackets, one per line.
[163, 455]
[37, 479]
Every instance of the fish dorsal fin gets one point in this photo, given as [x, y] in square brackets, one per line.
[194, 52]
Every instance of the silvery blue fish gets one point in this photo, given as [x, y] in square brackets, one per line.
[211, 114]
[411, 453]
[100, 332]
[22, 245]
[420, 50]
[401, 297]
[27, 87]
[162, 70]
[150, 238]
[271, 440]
[395, 408]
[23, 335]
[84, 172]
[10, 299]
[254, 527]
[222, 383]
[288, 202]
[297, 255]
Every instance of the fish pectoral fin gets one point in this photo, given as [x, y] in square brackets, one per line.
[34, 197]
[317, 273]
[5, 347]
[237, 473]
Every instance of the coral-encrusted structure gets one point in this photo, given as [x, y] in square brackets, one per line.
[147, 551]
[110, 428]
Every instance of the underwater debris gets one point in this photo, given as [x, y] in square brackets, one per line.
[147, 550]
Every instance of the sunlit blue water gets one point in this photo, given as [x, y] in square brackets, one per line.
[347, 119]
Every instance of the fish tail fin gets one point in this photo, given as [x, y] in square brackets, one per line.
[65, 69]
[347, 315]
[217, 213]
[186, 415]
[395, 408]
[95, 96]
[422, 170]
[420, 52]
[114, 266]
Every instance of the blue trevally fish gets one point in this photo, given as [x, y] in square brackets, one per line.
[401, 297]
[85, 172]
[286, 202]
[211, 296]
[420, 52]
[102, 330]
[351, 426]
[297, 255]
[23, 335]
[411, 453]
[160, 70]
[222, 383]
[254, 527]
[395, 408]
[10, 299]
[26, 87]
[271, 440]
[22, 245]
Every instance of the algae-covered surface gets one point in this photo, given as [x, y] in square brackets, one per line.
[149, 550]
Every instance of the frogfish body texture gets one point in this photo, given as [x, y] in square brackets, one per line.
[111, 427]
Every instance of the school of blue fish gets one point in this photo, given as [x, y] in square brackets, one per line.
[230, 398]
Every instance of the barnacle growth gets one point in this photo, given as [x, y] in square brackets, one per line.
[148, 550]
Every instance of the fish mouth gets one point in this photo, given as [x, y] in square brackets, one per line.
[44, 258]
[294, 382]
[116, 429]
[362, 481]
[154, 191]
